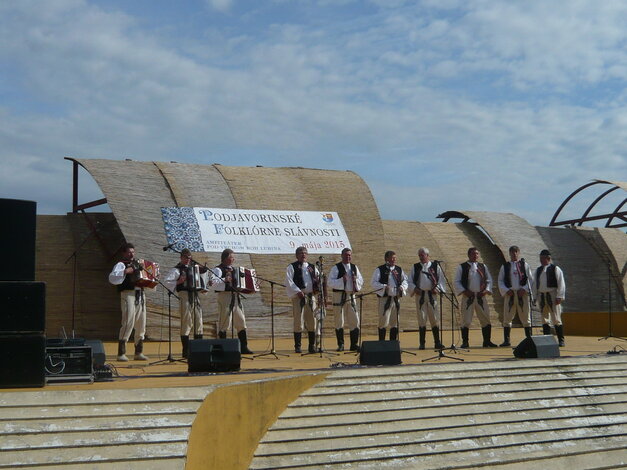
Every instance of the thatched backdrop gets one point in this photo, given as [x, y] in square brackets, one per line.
[136, 191]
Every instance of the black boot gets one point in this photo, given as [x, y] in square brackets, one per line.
[297, 339]
[122, 351]
[354, 334]
[546, 329]
[185, 344]
[139, 351]
[339, 334]
[465, 338]
[506, 332]
[422, 334]
[243, 341]
[436, 338]
[200, 336]
[393, 334]
[381, 334]
[559, 330]
[312, 341]
[222, 334]
[487, 335]
[528, 331]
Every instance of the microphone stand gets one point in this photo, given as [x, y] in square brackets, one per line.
[442, 349]
[361, 310]
[170, 359]
[609, 310]
[322, 312]
[272, 351]
[454, 304]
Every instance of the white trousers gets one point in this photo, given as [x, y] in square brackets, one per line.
[469, 305]
[388, 312]
[303, 310]
[427, 307]
[230, 305]
[350, 319]
[190, 313]
[551, 312]
[514, 304]
[133, 304]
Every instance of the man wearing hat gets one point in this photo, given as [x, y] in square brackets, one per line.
[550, 290]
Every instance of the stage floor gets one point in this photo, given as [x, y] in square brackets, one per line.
[142, 374]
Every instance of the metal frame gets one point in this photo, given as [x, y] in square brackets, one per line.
[585, 217]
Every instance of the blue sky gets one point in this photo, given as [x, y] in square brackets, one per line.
[440, 105]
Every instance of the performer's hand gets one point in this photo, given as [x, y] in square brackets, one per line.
[558, 301]
[468, 293]
[509, 293]
[522, 292]
[129, 270]
[300, 295]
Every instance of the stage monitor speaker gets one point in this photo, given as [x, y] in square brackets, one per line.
[98, 355]
[19, 221]
[22, 361]
[380, 353]
[22, 307]
[537, 346]
[214, 355]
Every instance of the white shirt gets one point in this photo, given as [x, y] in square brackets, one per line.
[474, 279]
[391, 287]
[560, 292]
[424, 280]
[335, 283]
[514, 277]
[292, 289]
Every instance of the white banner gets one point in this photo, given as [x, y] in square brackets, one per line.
[253, 231]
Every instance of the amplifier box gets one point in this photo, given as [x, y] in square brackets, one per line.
[68, 361]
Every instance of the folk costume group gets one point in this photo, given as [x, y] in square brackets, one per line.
[304, 281]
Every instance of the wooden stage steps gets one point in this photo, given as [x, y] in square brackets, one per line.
[99, 429]
[568, 412]
[543, 413]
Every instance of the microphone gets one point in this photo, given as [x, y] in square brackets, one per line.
[166, 248]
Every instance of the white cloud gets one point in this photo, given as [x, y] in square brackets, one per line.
[477, 105]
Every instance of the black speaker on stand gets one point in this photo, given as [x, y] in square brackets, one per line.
[19, 223]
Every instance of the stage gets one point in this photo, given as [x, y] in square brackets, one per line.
[160, 417]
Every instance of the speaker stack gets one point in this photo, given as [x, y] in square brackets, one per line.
[22, 300]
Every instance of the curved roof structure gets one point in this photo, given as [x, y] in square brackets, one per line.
[615, 219]
[136, 191]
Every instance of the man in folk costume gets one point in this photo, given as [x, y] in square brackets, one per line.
[226, 282]
[514, 281]
[132, 301]
[302, 284]
[390, 282]
[550, 290]
[473, 282]
[181, 279]
[425, 283]
[345, 280]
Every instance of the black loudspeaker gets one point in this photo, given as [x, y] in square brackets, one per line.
[22, 361]
[537, 346]
[380, 353]
[22, 307]
[214, 355]
[19, 221]
[98, 355]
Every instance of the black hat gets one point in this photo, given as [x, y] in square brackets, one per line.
[545, 253]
